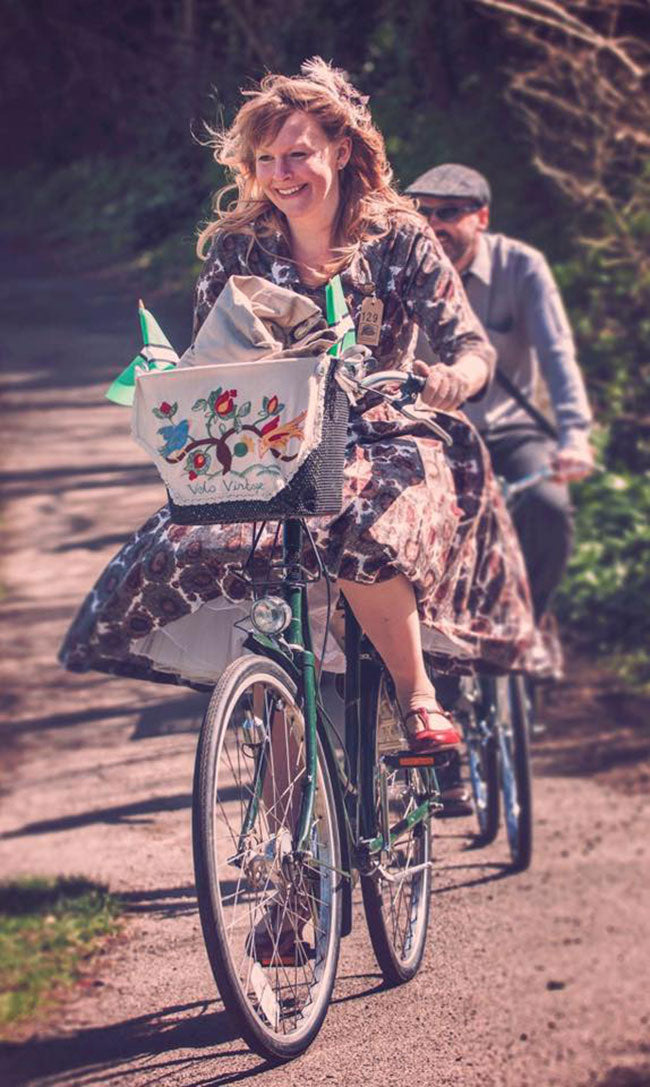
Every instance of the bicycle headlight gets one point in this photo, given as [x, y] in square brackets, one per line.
[270, 614]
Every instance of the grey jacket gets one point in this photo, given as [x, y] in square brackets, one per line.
[513, 293]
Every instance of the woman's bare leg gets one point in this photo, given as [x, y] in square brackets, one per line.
[387, 612]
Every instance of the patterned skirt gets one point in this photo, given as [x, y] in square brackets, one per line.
[165, 606]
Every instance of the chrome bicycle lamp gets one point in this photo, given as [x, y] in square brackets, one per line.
[270, 615]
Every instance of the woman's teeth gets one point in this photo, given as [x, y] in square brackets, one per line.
[289, 192]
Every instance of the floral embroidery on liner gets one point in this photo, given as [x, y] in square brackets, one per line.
[235, 442]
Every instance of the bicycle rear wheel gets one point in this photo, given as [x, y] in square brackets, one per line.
[271, 919]
[514, 764]
[473, 712]
[397, 898]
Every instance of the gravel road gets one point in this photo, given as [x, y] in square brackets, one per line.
[535, 979]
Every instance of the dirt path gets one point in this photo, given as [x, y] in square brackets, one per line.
[535, 979]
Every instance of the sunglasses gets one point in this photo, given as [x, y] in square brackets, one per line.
[448, 213]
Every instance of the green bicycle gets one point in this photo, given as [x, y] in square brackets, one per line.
[285, 811]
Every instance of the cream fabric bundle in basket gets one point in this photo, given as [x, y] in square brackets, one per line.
[252, 424]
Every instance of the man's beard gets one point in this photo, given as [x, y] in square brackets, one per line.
[454, 249]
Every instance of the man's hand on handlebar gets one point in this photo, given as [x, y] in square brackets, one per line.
[570, 465]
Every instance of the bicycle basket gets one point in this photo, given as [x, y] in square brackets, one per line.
[251, 442]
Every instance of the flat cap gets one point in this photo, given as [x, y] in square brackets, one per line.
[451, 179]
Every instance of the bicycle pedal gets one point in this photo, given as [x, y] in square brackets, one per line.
[402, 760]
[298, 956]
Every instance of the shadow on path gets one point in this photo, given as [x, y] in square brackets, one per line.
[121, 813]
[593, 755]
[107, 1054]
[165, 902]
[502, 871]
[95, 543]
[137, 812]
[380, 987]
[172, 715]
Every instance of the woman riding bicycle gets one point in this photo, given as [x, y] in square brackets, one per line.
[423, 549]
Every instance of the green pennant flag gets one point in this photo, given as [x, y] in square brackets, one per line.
[339, 317]
[157, 354]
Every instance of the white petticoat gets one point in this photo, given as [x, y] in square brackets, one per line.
[199, 646]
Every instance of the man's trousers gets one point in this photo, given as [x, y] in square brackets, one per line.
[542, 515]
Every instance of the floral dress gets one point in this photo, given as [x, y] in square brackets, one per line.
[411, 504]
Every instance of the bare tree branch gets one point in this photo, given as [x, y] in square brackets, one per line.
[545, 13]
[581, 90]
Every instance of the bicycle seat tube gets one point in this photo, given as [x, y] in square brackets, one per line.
[298, 635]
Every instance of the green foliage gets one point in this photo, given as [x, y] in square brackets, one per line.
[609, 302]
[604, 598]
[122, 204]
[117, 171]
[607, 288]
[48, 928]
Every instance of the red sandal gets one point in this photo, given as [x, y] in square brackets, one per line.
[429, 739]
[276, 940]
[284, 950]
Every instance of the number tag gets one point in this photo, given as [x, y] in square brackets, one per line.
[372, 311]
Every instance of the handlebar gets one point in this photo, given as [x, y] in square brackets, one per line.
[410, 387]
[511, 490]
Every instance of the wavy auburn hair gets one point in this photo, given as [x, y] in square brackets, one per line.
[369, 204]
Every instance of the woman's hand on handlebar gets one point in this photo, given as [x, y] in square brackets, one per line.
[446, 388]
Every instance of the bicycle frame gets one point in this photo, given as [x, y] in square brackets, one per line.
[364, 839]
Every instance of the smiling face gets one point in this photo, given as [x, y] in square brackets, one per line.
[458, 236]
[298, 170]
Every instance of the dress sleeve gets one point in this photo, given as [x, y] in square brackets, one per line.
[220, 264]
[434, 298]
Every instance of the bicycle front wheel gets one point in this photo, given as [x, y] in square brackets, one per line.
[514, 762]
[271, 918]
[397, 896]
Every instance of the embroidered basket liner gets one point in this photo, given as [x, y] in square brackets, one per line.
[223, 433]
[244, 409]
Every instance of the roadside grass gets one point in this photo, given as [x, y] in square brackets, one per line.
[49, 929]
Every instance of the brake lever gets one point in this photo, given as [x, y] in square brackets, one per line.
[401, 401]
[434, 427]
[411, 388]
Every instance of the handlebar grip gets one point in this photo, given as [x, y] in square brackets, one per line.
[411, 385]
[416, 382]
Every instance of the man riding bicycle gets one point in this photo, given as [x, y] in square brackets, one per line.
[512, 291]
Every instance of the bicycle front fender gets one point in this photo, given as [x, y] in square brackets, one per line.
[264, 646]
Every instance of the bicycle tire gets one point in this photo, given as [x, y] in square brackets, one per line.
[251, 887]
[398, 929]
[514, 766]
[473, 712]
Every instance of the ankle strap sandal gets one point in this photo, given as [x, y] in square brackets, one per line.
[433, 735]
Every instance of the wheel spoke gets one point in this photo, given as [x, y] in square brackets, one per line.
[397, 904]
[275, 909]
